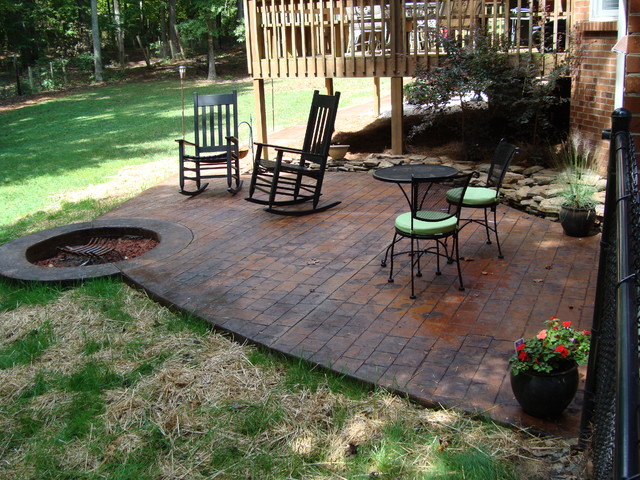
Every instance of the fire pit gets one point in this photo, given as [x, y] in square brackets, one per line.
[104, 247]
[99, 250]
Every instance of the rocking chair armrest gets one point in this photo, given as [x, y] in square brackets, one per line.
[185, 142]
[232, 139]
[280, 147]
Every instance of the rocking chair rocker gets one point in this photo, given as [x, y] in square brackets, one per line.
[216, 154]
[284, 184]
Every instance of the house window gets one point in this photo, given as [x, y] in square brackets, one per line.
[604, 10]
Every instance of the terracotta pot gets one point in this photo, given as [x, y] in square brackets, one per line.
[545, 395]
[337, 152]
[577, 222]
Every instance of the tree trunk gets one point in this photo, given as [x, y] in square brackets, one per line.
[173, 37]
[163, 33]
[117, 20]
[95, 35]
[212, 74]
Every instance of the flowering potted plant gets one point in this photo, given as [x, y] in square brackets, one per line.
[544, 370]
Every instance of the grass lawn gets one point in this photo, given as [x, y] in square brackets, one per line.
[54, 155]
[97, 381]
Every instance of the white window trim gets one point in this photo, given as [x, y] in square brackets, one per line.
[600, 14]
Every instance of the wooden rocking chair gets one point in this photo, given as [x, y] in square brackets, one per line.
[216, 153]
[281, 183]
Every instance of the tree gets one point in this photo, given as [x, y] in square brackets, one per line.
[95, 35]
[117, 20]
[213, 19]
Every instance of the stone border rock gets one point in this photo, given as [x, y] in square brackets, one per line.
[531, 189]
[171, 237]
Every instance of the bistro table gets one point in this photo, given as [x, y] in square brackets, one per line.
[404, 173]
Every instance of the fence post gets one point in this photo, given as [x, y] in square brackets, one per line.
[626, 430]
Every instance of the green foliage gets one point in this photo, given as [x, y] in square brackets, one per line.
[552, 349]
[518, 102]
[26, 349]
[577, 164]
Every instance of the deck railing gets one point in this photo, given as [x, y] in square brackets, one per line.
[334, 38]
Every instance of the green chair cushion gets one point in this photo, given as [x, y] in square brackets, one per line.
[403, 224]
[473, 196]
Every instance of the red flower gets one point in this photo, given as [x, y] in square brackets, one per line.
[586, 332]
[554, 318]
[562, 350]
[523, 356]
[566, 324]
[520, 347]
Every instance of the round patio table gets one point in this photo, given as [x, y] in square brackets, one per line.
[404, 173]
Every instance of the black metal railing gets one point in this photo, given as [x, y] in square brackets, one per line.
[610, 413]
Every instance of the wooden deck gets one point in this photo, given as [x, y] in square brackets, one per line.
[375, 38]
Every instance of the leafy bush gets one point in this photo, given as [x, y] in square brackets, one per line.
[498, 97]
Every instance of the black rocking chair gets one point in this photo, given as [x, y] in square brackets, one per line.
[281, 183]
[216, 152]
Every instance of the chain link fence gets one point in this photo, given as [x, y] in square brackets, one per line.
[610, 415]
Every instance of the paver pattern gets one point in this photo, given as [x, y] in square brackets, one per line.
[313, 287]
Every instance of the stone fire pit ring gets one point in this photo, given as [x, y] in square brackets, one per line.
[16, 256]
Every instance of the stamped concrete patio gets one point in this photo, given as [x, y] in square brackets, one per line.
[312, 287]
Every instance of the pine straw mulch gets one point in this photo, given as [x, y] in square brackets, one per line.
[199, 382]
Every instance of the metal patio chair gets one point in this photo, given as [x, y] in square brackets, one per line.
[434, 218]
[284, 183]
[215, 148]
[488, 196]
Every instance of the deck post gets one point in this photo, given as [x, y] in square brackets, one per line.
[328, 85]
[397, 134]
[260, 110]
[376, 95]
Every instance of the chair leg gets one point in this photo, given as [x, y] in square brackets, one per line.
[181, 175]
[413, 252]
[486, 226]
[254, 172]
[457, 253]
[392, 246]
[418, 252]
[383, 263]
[495, 226]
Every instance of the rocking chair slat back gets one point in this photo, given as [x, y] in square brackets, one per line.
[322, 115]
[215, 119]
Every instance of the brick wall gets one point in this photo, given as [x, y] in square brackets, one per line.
[593, 85]
[632, 75]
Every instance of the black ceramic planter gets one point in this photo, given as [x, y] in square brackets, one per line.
[577, 222]
[545, 395]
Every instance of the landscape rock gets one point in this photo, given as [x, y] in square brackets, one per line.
[532, 189]
[532, 170]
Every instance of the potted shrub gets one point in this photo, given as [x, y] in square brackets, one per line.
[578, 181]
[544, 370]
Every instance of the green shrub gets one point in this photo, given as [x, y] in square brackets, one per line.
[519, 104]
